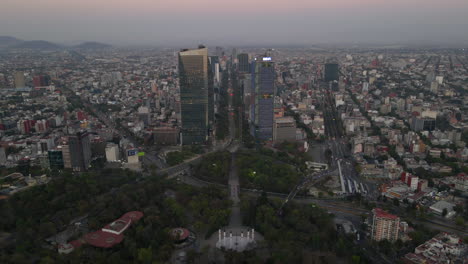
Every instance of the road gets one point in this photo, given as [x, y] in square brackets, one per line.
[338, 144]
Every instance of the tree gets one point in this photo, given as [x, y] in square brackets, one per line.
[460, 221]
[145, 255]
[458, 209]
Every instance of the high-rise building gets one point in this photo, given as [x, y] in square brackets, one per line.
[219, 52]
[214, 65]
[384, 225]
[262, 110]
[244, 65]
[41, 80]
[56, 159]
[234, 54]
[423, 124]
[210, 94]
[193, 74]
[79, 151]
[112, 152]
[144, 115]
[331, 72]
[19, 80]
[3, 157]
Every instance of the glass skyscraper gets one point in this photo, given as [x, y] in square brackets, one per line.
[243, 64]
[332, 72]
[262, 110]
[193, 75]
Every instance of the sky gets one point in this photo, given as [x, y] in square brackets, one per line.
[237, 22]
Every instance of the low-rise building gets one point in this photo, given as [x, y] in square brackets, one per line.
[443, 248]
[284, 129]
[439, 207]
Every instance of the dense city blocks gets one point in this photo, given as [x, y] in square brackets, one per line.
[264, 132]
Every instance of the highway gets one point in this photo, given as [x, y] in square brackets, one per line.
[338, 144]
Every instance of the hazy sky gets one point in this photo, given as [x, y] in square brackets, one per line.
[236, 22]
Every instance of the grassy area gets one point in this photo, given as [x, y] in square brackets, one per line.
[177, 157]
[291, 237]
[257, 171]
[214, 167]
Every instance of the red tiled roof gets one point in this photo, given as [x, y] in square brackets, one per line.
[383, 214]
[103, 239]
[76, 243]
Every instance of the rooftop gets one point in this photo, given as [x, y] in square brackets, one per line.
[384, 214]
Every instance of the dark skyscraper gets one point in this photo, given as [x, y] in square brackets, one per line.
[243, 65]
[210, 93]
[193, 73]
[80, 151]
[56, 159]
[331, 72]
[263, 86]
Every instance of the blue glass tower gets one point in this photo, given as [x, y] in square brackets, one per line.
[263, 87]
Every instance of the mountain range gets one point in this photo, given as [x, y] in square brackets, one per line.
[8, 42]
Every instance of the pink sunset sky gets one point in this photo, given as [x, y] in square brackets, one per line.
[240, 21]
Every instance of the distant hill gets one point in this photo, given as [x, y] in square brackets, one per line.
[36, 44]
[6, 41]
[92, 45]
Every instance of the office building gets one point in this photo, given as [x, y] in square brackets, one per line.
[45, 144]
[263, 98]
[439, 207]
[166, 136]
[331, 72]
[423, 124]
[193, 74]
[132, 156]
[234, 55]
[214, 67]
[41, 81]
[19, 80]
[144, 115]
[56, 160]
[384, 225]
[210, 95]
[3, 157]
[243, 65]
[112, 152]
[284, 129]
[77, 154]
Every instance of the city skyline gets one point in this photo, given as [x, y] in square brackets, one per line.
[184, 22]
[301, 131]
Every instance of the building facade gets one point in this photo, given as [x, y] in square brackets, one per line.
[193, 73]
[112, 152]
[263, 88]
[19, 80]
[284, 129]
[79, 151]
[331, 72]
[244, 64]
[384, 225]
[56, 159]
[3, 157]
